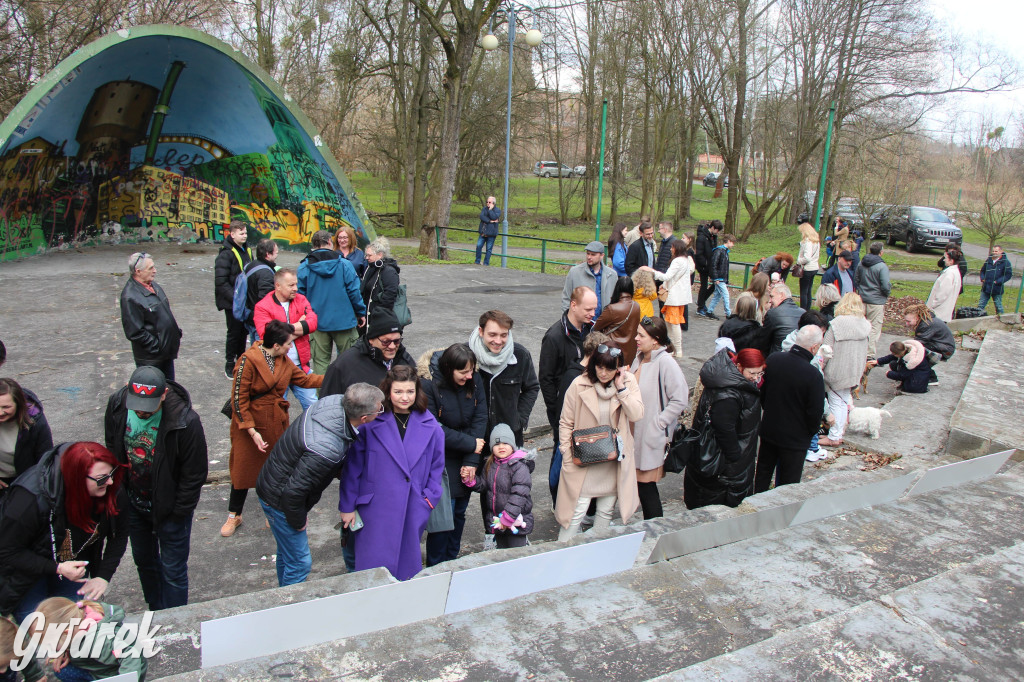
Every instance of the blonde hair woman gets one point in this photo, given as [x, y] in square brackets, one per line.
[826, 299]
[807, 259]
[848, 337]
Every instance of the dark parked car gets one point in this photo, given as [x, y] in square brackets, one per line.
[916, 226]
[547, 169]
[711, 179]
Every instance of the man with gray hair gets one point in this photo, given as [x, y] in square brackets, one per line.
[782, 318]
[146, 317]
[304, 461]
[490, 216]
[793, 396]
[329, 281]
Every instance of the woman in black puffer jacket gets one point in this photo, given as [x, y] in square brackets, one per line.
[455, 396]
[743, 328]
[721, 471]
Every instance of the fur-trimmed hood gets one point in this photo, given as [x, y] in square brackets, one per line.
[915, 353]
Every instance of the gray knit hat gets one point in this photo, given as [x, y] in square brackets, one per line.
[502, 433]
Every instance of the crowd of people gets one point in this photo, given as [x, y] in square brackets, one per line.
[411, 441]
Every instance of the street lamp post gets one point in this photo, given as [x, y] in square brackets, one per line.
[490, 42]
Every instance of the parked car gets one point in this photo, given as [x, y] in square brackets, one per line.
[916, 226]
[582, 170]
[547, 169]
[711, 179]
[846, 208]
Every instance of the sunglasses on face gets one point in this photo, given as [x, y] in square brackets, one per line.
[613, 352]
[390, 342]
[102, 480]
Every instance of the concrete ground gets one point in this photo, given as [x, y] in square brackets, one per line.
[60, 322]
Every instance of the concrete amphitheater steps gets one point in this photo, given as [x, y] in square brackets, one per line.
[815, 590]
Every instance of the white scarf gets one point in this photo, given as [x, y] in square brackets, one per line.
[492, 363]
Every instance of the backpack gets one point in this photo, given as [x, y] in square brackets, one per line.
[239, 309]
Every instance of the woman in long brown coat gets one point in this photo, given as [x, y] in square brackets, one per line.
[259, 415]
[620, 318]
[605, 394]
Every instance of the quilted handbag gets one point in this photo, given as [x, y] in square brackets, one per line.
[595, 445]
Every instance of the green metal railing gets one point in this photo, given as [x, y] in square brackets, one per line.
[543, 260]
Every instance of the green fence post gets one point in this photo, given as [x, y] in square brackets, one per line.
[437, 239]
[1019, 293]
[543, 254]
[746, 275]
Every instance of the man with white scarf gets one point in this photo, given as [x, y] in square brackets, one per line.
[510, 380]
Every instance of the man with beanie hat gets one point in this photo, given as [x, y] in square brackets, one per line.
[370, 358]
[151, 428]
[593, 275]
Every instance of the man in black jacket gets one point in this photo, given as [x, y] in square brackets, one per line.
[561, 349]
[707, 240]
[782, 318]
[304, 461]
[666, 230]
[370, 358]
[231, 259]
[793, 397]
[146, 317]
[642, 251]
[260, 277]
[151, 428]
[510, 380]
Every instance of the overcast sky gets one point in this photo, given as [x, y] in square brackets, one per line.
[1000, 23]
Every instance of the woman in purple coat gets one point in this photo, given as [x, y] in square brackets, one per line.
[392, 478]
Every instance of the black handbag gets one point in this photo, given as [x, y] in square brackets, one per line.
[228, 408]
[595, 445]
[681, 445]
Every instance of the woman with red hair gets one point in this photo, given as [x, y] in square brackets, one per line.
[61, 534]
[721, 471]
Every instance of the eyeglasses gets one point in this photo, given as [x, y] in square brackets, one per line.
[102, 480]
[757, 375]
[390, 342]
[142, 257]
[610, 350]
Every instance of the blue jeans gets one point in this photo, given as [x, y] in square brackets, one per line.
[479, 247]
[996, 298]
[721, 293]
[445, 546]
[294, 562]
[161, 557]
[47, 586]
[306, 396]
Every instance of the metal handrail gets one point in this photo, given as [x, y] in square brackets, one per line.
[543, 260]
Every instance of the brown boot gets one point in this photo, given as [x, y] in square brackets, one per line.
[231, 525]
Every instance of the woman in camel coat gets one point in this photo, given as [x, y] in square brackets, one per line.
[606, 393]
[259, 415]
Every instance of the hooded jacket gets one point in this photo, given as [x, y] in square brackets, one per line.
[180, 463]
[706, 243]
[912, 371]
[380, 284]
[872, 280]
[719, 267]
[306, 459]
[330, 284]
[226, 269]
[793, 396]
[148, 322]
[32, 441]
[722, 469]
[505, 487]
[27, 538]
[664, 256]
[462, 414]
[360, 363]
[848, 337]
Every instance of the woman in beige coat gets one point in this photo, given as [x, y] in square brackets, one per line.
[605, 394]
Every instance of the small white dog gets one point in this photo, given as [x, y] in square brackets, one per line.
[867, 420]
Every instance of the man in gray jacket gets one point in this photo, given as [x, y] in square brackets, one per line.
[593, 275]
[872, 282]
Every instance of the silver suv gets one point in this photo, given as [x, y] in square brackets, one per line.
[547, 169]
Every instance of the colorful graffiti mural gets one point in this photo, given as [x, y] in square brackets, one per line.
[163, 133]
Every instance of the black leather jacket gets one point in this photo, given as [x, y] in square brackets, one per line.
[149, 323]
[780, 321]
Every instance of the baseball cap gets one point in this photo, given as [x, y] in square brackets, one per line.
[595, 247]
[145, 389]
[846, 255]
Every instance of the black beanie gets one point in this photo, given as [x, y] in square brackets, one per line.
[382, 321]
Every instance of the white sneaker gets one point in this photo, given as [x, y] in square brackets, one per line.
[815, 455]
